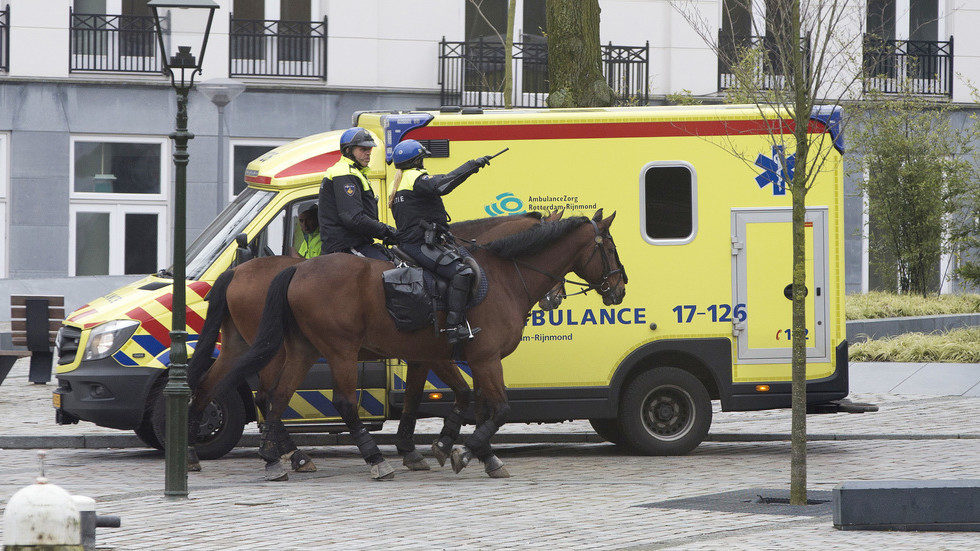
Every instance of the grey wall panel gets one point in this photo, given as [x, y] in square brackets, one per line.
[144, 110]
[38, 251]
[853, 228]
[39, 155]
[38, 107]
[39, 201]
[202, 165]
[200, 207]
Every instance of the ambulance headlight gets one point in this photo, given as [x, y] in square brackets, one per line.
[107, 338]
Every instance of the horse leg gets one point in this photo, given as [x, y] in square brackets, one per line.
[488, 378]
[233, 346]
[275, 440]
[343, 365]
[450, 374]
[404, 438]
[269, 378]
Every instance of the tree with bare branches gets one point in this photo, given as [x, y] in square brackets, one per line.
[798, 61]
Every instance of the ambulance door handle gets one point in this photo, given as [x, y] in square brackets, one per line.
[818, 291]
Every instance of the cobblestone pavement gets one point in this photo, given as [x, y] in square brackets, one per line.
[561, 496]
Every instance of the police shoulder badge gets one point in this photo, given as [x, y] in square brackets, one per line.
[349, 189]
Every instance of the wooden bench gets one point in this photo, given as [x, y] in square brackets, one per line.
[34, 323]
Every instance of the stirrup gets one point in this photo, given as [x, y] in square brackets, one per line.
[460, 332]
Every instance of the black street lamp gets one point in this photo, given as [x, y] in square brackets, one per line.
[177, 392]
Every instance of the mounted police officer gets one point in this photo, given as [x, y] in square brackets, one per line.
[348, 206]
[423, 228]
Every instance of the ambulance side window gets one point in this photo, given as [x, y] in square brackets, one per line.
[271, 238]
[295, 236]
[668, 202]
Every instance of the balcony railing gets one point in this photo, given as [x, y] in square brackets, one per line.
[767, 73]
[923, 67]
[471, 73]
[272, 48]
[5, 39]
[116, 43]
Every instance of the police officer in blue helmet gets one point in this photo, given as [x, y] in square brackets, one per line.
[348, 207]
[423, 228]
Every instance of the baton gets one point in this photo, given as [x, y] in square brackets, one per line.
[499, 154]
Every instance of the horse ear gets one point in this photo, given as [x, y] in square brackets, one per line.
[598, 215]
[608, 221]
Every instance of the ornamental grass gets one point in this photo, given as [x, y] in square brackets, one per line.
[957, 346]
[877, 304]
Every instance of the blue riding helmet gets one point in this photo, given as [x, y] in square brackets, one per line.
[407, 153]
[355, 137]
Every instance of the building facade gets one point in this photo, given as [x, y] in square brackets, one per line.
[86, 178]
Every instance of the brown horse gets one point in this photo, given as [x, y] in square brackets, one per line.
[235, 306]
[320, 307]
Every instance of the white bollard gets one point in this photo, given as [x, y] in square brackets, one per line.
[40, 517]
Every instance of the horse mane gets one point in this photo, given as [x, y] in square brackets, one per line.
[455, 226]
[534, 239]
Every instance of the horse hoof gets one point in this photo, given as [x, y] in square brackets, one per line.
[439, 453]
[301, 463]
[460, 459]
[274, 472]
[382, 471]
[415, 462]
[193, 463]
[495, 467]
[194, 467]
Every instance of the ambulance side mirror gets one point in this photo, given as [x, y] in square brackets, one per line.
[244, 254]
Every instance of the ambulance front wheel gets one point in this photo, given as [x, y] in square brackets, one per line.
[222, 424]
[665, 411]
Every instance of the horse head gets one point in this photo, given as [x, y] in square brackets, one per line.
[601, 268]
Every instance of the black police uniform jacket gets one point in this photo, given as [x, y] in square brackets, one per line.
[419, 200]
[348, 209]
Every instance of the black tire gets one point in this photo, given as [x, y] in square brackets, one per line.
[665, 411]
[222, 425]
[146, 433]
[608, 429]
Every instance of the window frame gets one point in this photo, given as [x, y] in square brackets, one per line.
[232, 142]
[643, 205]
[117, 233]
[164, 194]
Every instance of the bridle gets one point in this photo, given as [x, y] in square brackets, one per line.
[608, 271]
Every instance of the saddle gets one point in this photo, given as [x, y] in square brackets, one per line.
[413, 295]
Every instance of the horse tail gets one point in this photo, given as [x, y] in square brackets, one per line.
[276, 316]
[217, 312]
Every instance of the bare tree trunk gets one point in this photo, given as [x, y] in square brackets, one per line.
[802, 108]
[575, 55]
[509, 56]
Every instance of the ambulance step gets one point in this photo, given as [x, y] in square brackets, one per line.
[841, 406]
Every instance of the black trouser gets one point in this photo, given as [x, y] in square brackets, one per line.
[446, 262]
[371, 250]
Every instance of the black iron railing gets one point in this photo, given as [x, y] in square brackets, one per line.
[471, 73]
[5, 39]
[923, 67]
[117, 43]
[272, 48]
[767, 73]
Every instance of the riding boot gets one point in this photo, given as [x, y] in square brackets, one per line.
[457, 330]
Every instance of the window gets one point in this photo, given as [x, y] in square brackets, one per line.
[535, 22]
[221, 233]
[243, 153]
[668, 202]
[477, 26]
[118, 213]
[881, 19]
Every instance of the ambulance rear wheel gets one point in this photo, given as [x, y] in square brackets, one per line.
[222, 424]
[608, 429]
[665, 411]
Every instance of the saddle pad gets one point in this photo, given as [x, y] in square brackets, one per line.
[436, 287]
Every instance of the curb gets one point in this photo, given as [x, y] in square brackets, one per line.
[123, 441]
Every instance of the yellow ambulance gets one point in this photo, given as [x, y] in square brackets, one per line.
[703, 229]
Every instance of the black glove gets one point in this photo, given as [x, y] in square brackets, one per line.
[482, 161]
[388, 239]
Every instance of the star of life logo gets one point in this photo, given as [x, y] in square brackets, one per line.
[773, 170]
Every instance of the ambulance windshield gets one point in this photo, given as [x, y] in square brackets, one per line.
[216, 237]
